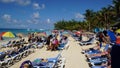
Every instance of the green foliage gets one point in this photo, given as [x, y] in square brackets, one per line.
[103, 18]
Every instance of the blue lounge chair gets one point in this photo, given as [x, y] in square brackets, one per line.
[97, 51]
[7, 44]
[51, 63]
[63, 46]
[98, 61]
[90, 41]
[98, 67]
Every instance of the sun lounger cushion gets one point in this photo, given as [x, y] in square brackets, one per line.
[98, 67]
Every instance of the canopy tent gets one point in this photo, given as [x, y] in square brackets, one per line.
[117, 31]
[8, 34]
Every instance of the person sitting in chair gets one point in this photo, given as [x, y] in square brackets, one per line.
[95, 48]
[43, 62]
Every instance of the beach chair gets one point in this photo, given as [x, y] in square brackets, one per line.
[40, 44]
[9, 62]
[56, 62]
[2, 58]
[63, 46]
[90, 41]
[98, 67]
[4, 61]
[75, 37]
[14, 55]
[7, 44]
[97, 61]
[97, 51]
[2, 64]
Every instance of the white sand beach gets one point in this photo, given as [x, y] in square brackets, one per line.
[74, 57]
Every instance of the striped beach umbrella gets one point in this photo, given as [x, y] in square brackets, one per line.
[8, 34]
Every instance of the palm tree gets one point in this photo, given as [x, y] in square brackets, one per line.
[116, 4]
[88, 17]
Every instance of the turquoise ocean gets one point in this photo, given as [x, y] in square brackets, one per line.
[24, 31]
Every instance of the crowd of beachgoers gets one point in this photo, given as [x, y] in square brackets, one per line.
[104, 54]
[99, 56]
[17, 49]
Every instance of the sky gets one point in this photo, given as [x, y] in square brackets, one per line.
[42, 14]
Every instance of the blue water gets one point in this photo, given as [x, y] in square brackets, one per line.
[24, 31]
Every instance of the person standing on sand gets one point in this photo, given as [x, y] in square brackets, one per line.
[101, 38]
[48, 43]
[115, 53]
[112, 36]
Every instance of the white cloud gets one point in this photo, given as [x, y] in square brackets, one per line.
[48, 20]
[7, 17]
[7, 1]
[36, 15]
[43, 6]
[23, 25]
[15, 21]
[38, 6]
[29, 21]
[78, 15]
[23, 2]
[20, 2]
[35, 21]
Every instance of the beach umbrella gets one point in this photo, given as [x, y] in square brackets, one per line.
[117, 31]
[2, 33]
[8, 34]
